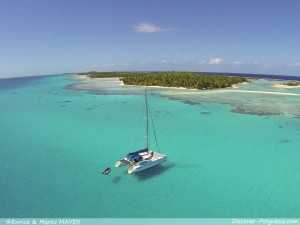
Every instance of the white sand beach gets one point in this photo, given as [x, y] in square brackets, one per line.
[260, 92]
[284, 86]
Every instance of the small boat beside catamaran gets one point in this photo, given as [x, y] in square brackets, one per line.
[143, 159]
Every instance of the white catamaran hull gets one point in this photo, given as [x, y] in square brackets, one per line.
[146, 164]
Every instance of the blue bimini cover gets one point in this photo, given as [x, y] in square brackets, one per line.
[139, 151]
[134, 156]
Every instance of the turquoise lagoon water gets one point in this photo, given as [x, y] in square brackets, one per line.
[230, 154]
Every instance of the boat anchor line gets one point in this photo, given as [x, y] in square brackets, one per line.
[143, 159]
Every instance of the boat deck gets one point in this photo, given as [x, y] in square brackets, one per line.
[158, 154]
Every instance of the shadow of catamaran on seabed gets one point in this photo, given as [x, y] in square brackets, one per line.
[153, 172]
[116, 179]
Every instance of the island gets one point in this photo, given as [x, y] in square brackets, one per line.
[95, 74]
[171, 79]
[292, 84]
[288, 85]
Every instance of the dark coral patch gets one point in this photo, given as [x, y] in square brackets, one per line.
[253, 112]
[189, 102]
[67, 101]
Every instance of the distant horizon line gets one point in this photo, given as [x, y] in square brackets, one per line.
[148, 71]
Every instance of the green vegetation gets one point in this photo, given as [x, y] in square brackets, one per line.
[182, 79]
[292, 83]
[172, 79]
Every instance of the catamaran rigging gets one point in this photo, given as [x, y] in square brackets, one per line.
[144, 158]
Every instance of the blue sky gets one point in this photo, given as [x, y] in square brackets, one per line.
[55, 36]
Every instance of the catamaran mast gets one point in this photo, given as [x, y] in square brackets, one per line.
[147, 121]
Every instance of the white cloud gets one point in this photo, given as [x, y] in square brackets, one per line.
[236, 63]
[296, 64]
[215, 61]
[168, 62]
[255, 62]
[149, 28]
[218, 61]
[267, 65]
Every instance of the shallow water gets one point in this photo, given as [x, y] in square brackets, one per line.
[230, 154]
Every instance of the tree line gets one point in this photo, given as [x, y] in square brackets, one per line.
[183, 79]
[172, 79]
[292, 83]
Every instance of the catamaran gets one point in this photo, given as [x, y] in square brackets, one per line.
[142, 159]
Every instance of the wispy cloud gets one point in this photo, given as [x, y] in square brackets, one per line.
[266, 65]
[215, 61]
[294, 65]
[217, 64]
[218, 61]
[168, 62]
[149, 28]
[108, 65]
[237, 63]
[202, 62]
